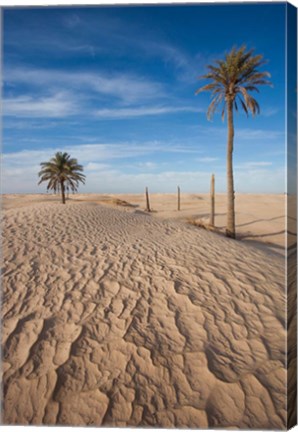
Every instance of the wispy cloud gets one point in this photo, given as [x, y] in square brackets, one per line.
[207, 159]
[101, 163]
[128, 88]
[141, 111]
[242, 133]
[147, 165]
[104, 178]
[57, 105]
[108, 169]
[261, 179]
[91, 166]
[258, 134]
[258, 164]
[180, 62]
[269, 112]
[32, 124]
[59, 36]
[98, 152]
[85, 153]
[108, 34]
[251, 165]
[72, 20]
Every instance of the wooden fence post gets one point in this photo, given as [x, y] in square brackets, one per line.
[147, 201]
[212, 199]
[178, 198]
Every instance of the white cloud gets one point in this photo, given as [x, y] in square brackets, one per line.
[84, 153]
[57, 105]
[91, 166]
[147, 165]
[261, 134]
[207, 159]
[183, 63]
[33, 123]
[186, 67]
[106, 174]
[142, 111]
[260, 180]
[128, 88]
[249, 165]
[258, 164]
[241, 133]
[20, 169]
[115, 181]
[96, 153]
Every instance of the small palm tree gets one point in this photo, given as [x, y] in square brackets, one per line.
[62, 172]
[232, 80]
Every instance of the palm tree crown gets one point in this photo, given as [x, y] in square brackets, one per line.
[62, 172]
[233, 78]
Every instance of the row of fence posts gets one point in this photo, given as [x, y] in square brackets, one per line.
[212, 200]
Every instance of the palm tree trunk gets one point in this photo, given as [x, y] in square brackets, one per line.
[63, 192]
[230, 230]
[212, 200]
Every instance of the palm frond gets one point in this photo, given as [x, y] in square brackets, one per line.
[237, 75]
[61, 169]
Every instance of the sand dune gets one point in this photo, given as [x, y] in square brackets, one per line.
[118, 318]
[260, 218]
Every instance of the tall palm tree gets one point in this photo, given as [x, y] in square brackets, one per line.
[62, 172]
[231, 82]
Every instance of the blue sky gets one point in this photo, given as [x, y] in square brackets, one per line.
[115, 87]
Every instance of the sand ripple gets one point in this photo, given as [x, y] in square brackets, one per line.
[115, 318]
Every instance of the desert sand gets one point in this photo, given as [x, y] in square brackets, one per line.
[112, 316]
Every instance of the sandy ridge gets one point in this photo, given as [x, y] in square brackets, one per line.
[116, 318]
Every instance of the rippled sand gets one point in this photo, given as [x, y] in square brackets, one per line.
[114, 317]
